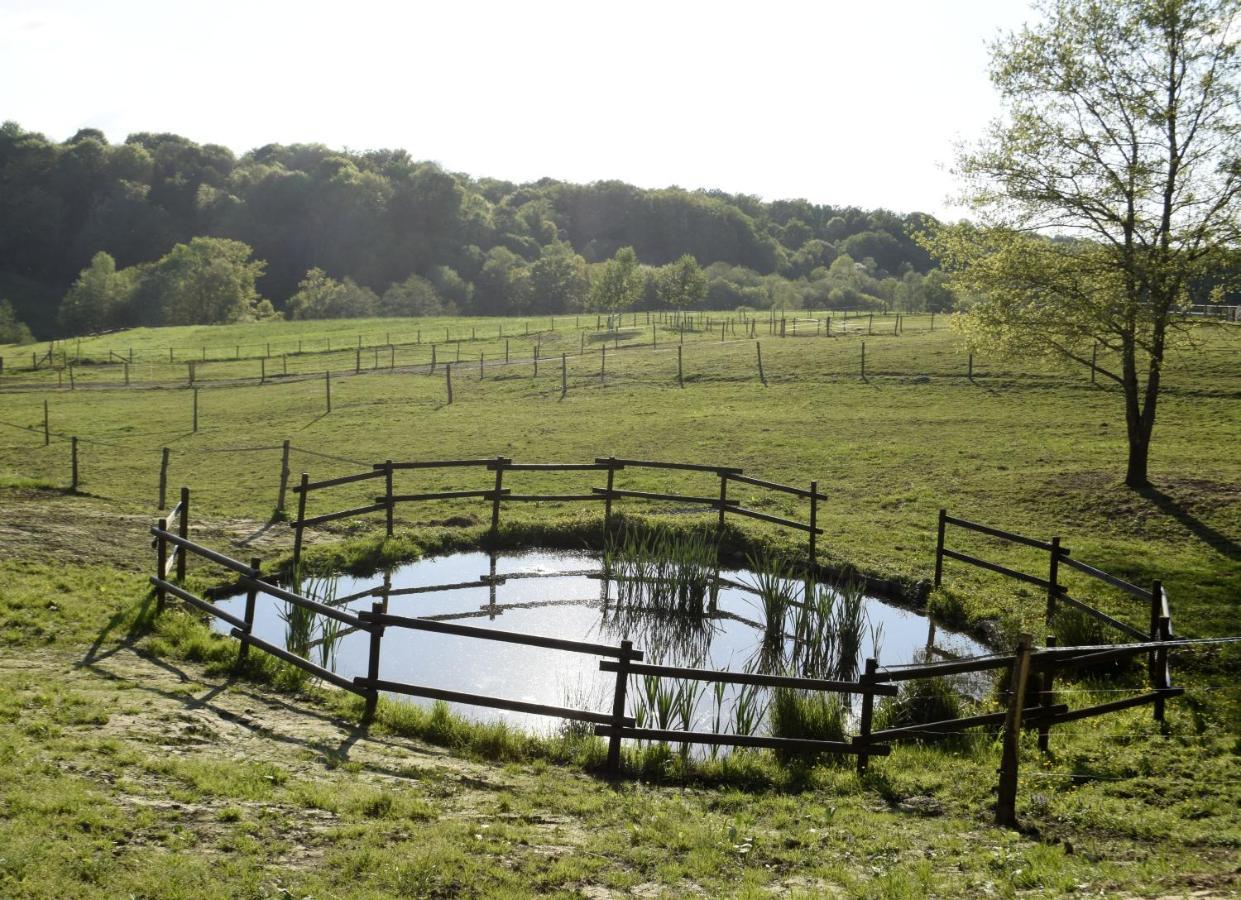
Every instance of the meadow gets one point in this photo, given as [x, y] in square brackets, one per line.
[139, 765]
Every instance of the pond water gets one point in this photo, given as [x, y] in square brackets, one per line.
[563, 595]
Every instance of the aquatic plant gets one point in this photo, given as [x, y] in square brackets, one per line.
[814, 715]
[663, 571]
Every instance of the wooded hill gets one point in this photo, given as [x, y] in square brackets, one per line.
[378, 217]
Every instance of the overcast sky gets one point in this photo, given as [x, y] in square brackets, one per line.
[841, 103]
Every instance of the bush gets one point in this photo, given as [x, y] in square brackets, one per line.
[814, 715]
[919, 702]
[12, 329]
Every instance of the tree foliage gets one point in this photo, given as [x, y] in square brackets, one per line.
[12, 329]
[1108, 193]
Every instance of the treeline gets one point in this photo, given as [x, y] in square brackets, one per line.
[189, 230]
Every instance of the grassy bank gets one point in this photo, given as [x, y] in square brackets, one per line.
[138, 765]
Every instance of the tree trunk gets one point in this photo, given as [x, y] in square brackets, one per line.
[1139, 455]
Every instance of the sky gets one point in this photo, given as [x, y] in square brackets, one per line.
[839, 103]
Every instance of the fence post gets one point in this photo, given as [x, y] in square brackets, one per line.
[72, 383]
[506, 351]
[73, 448]
[495, 499]
[828, 329]
[814, 519]
[603, 363]
[536, 354]
[183, 529]
[47, 432]
[607, 503]
[284, 476]
[163, 478]
[297, 526]
[680, 372]
[252, 593]
[327, 387]
[970, 370]
[939, 548]
[1053, 578]
[388, 495]
[432, 357]
[372, 663]
[1006, 803]
[868, 713]
[161, 562]
[870, 324]
[618, 707]
[1046, 697]
[480, 367]
[1156, 613]
[758, 346]
[723, 504]
[448, 380]
[262, 370]
[863, 360]
[564, 375]
[1162, 677]
[126, 374]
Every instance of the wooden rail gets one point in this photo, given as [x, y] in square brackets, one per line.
[498, 494]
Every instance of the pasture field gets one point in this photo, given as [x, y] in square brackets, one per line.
[135, 764]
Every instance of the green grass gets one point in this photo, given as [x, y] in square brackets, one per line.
[85, 805]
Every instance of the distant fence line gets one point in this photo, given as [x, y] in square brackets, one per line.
[703, 325]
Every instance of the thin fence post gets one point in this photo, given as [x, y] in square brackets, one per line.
[432, 357]
[1162, 676]
[814, 521]
[758, 348]
[495, 497]
[183, 529]
[161, 562]
[284, 476]
[389, 503]
[680, 371]
[357, 362]
[564, 375]
[47, 432]
[480, 367]
[536, 355]
[506, 350]
[970, 370]
[603, 364]
[868, 713]
[163, 478]
[284, 364]
[1094, 355]
[73, 445]
[618, 707]
[372, 662]
[1047, 697]
[1156, 613]
[262, 370]
[863, 360]
[448, 380]
[126, 374]
[195, 411]
[607, 502]
[1053, 578]
[252, 593]
[327, 388]
[297, 526]
[1006, 802]
[939, 548]
[723, 503]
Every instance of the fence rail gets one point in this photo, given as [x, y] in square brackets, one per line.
[497, 494]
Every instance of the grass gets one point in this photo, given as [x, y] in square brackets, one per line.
[103, 796]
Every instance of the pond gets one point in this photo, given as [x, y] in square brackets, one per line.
[564, 595]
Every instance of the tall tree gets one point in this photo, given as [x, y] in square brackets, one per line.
[681, 284]
[617, 283]
[1110, 186]
[205, 282]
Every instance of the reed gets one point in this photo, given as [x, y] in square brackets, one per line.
[806, 714]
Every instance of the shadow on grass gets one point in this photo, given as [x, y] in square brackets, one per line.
[1214, 539]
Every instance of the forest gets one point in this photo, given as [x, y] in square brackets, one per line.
[160, 230]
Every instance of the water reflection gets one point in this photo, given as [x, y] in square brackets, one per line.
[576, 595]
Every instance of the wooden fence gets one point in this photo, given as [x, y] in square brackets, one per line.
[1155, 597]
[497, 494]
[1032, 670]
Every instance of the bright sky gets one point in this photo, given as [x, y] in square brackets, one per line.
[841, 103]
